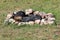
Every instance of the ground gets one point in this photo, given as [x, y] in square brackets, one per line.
[29, 32]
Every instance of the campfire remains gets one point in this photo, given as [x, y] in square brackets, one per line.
[30, 17]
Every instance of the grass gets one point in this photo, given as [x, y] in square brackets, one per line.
[29, 32]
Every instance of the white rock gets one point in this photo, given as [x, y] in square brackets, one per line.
[8, 16]
[15, 12]
[37, 21]
[19, 24]
[31, 22]
[36, 12]
[11, 20]
[50, 22]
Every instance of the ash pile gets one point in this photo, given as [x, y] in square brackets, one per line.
[29, 16]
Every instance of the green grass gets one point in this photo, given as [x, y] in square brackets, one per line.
[29, 32]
